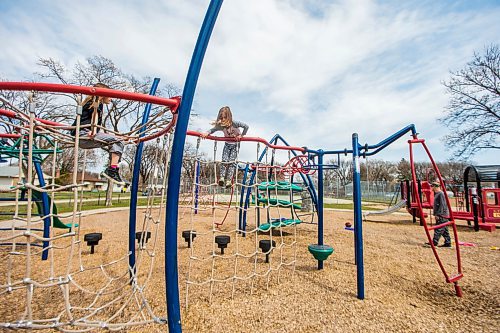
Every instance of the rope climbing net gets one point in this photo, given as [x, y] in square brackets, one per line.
[240, 234]
[49, 277]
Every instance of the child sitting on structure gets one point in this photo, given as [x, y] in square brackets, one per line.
[91, 137]
[231, 129]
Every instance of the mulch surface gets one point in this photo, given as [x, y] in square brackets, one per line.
[405, 291]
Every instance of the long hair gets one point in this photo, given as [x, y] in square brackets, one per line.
[96, 100]
[224, 112]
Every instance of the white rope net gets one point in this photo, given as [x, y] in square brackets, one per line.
[78, 287]
[249, 256]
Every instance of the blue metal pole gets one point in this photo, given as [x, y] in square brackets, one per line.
[249, 188]
[386, 142]
[132, 220]
[358, 226]
[320, 203]
[46, 209]
[174, 177]
[242, 196]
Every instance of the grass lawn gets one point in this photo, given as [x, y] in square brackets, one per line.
[6, 212]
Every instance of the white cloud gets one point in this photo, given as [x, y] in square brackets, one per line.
[313, 71]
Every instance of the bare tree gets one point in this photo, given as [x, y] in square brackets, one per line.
[404, 170]
[453, 171]
[473, 112]
[122, 116]
[379, 170]
[344, 171]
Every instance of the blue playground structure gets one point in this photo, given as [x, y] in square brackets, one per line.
[16, 147]
[304, 162]
[317, 162]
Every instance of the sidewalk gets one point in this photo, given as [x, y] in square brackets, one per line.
[8, 223]
[58, 201]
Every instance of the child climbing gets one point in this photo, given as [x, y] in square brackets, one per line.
[231, 129]
[91, 137]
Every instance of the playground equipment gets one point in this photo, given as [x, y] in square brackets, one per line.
[482, 205]
[92, 240]
[476, 203]
[241, 227]
[222, 241]
[266, 245]
[15, 146]
[189, 236]
[120, 300]
[395, 205]
[125, 289]
[142, 237]
[391, 209]
[315, 161]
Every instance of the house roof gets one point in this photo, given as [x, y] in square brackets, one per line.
[9, 171]
[88, 177]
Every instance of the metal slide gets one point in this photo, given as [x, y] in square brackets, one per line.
[389, 210]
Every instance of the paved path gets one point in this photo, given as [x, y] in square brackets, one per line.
[58, 201]
[8, 223]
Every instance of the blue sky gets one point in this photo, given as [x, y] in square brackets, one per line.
[313, 71]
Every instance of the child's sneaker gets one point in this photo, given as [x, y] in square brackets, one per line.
[445, 245]
[221, 181]
[113, 174]
[229, 184]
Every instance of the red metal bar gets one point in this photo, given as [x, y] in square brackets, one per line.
[162, 132]
[437, 226]
[427, 228]
[10, 136]
[416, 141]
[454, 228]
[172, 103]
[455, 278]
[12, 114]
[462, 215]
[7, 113]
[247, 138]
[51, 123]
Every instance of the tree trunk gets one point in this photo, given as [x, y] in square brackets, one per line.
[109, 194]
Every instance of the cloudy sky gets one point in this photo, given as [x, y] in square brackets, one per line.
[314, 71]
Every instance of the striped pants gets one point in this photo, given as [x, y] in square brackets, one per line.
[229, 154]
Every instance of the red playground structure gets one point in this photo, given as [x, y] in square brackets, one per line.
[475, 203]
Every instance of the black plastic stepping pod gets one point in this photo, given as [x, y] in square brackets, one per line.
[266, 245]
[142, 237]
[189, 236]
[92, 240]
[222, 241]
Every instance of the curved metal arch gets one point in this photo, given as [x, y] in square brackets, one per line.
[172, 206]
[246, 190]
[483, 173]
